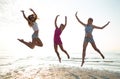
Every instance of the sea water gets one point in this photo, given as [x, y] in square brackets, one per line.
[11, 62]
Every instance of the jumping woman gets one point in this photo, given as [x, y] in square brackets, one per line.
[89, 37]
[57, 39]
[31, 19]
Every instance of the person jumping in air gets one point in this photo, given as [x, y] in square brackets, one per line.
[57, 39]
[31, 19]
[88, 36]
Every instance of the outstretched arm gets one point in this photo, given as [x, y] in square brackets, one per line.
[56, 21]
[24, 14]
[34, 13]
[97, 27]
[79, 20]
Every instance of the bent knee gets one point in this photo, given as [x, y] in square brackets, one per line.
[41, 45]
[32, 47]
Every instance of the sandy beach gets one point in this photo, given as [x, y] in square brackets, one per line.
[59, 72]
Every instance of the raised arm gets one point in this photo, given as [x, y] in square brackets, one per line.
[79, 20]
[56, 21]
[97, 27]
[62, 26]
[34, 13]
[65, 20]
[24, 15]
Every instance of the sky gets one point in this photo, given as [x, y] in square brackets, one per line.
[14, 26]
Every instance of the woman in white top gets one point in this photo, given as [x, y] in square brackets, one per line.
[31, 19]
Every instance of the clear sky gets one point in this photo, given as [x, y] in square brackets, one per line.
[13, 25]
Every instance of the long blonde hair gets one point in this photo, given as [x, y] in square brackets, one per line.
[31, 19]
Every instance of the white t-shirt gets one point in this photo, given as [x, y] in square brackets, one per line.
[35, 26]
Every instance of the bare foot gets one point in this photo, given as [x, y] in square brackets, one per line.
[60, 60]
[82, 63]
[68, 56]
[30, 45]
[21, 40]
[102, 56]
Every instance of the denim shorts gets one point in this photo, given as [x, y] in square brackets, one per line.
[88, 39]
[34, 35]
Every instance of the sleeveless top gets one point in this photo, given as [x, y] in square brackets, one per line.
[57, 39]
[88, 29]
[35, 27]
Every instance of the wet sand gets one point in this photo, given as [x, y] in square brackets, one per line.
[59, 72]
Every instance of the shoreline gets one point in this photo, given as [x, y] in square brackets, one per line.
[59, 72]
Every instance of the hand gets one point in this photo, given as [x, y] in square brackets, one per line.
[108, 22]
[76, 13]
[31, 9]
[57, 15]
[65, 17]
[22, 11]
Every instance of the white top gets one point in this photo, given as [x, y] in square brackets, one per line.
[35, 26]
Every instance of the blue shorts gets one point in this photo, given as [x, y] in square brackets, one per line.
[34, 35]
[88, 39]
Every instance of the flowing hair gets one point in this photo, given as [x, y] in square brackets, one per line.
[30, 21]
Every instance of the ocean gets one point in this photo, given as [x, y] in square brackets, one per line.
[10, 62]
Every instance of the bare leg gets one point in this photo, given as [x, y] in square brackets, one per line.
[29, 44]
[84, 52]
[38, 42]
[94, 46]
[56, 50]
[61, 47]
